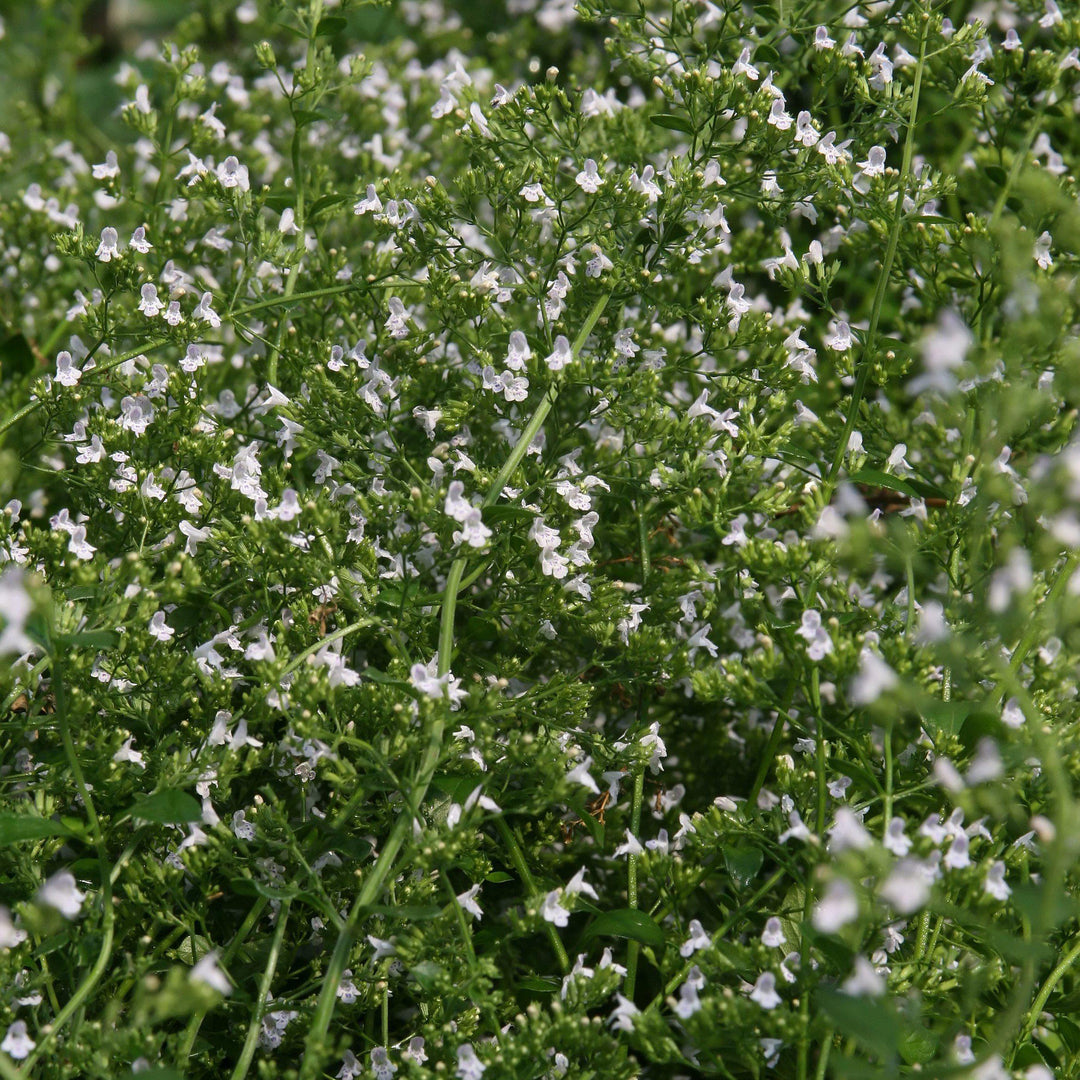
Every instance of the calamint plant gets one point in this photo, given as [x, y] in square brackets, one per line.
[539, 539]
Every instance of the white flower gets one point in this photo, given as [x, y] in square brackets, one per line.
[138, 241]
[578, 884]
[579, 774]
[561, 355]
[10, 934]
[553, 911]
[906, 889]
[875, 677]
[17, 1044]
[764, 992]
[1042, 251]
[195, 536]
[61, 892]
[995, 883]
[631, 847]
[231, 174]
[425, 680]
[773, 935]
[864, 981]
[469, 1066]
[78, 544]
[838, 907]
[207, 971]
[744, 67]
[847, 832]
[67, 374]
[205, 311]
[589, 179]
[896, 840]
[811, 630]
[381, 1065]
[397, 322]
[1012, 715]
[126, 753]
[839, 338]
[371, 201]
[698, 939]
[109, 248]
[467, 900]
[518, 352]
[150, 305]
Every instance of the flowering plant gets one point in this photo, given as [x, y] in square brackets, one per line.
[540, 540]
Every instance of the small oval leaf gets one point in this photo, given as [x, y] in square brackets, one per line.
[627, 923]
[672, 122]
[16, 827]
[743, 864]
[168, 807]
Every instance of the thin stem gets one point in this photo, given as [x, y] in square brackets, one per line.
[883, 278]
[1047, 988]
[373, 883]
[187, 1040]
[634, 947]
[823, 1057]
[101, 369]
[108, 916]
[250, 1043]
[517, 857]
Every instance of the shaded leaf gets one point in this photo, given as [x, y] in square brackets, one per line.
[872, 1023]
[743, 864]
[627, 923]
[17, 827]
[168, 807]
[672, 122]
[330, 25]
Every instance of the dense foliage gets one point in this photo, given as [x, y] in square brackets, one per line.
[540, 540]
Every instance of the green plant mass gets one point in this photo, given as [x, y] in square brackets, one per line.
[539, 539]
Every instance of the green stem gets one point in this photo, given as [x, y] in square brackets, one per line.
[823, 1057]
[517, 857]
[108, 917]
[883, 278]
[1047, 988]
[101, 369]
[373, 883]
[634, 947]
[187, 1040]
[250, 1043]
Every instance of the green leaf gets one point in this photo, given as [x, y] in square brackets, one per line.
[90, 639]
[627, 923]
[304, 117]
[426, 973]
[538, 986]
[408, 912]
[911, 486]
[319, 205]
[672, 122]
[499, 877]
[331, 25]
[918, 1045]
[945, 718]
[16, 357]
[872, 1023]
[158, 1072]
[1068, 1032]
[995, 174]
[167, 807]
[743, 864]
[1027, 1056]
[17, 827]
